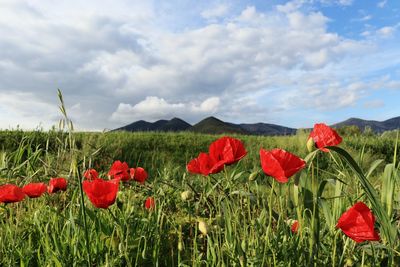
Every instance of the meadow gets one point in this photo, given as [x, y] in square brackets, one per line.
[237, 217]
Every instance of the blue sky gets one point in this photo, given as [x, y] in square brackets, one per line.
[292, 63]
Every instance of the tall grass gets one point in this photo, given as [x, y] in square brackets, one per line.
[248, 219]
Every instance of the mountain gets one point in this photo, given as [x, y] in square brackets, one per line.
[212, 125]
[173, 125]
[267, 129]
[376, 126]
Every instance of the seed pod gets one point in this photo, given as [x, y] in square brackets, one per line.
[349, 262]
[180, 245]
[310, 145]
[253, 176]
[186, 195]
[203, 227]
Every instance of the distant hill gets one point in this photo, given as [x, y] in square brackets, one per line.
[212, 125]
[173, 125]
[267, 129]
[376, 126]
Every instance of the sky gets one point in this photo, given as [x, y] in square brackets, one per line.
[293, 63]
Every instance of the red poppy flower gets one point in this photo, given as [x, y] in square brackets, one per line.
[119, 170]
[324, 136]
[91, 174]
[34, 190]
[358, 223]
[280, 164]
[227, 149]
[149, 203]
[295, 227]
[140, 175]
[57, 184]
[131, 172]
[204, 165]
[11, 193]
[101, 193]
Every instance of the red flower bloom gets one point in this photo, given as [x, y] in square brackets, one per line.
[119, 170]
[91, 174]
[358, 223]
[11, 193]
[140, 175]
[295, 227]
[204, 165]
[101, 193]
[280, 164]
[57, 184]
[149, 203]
[34, 190]
[324, 136]
[227, 149]
[131, 172]
[224, 151]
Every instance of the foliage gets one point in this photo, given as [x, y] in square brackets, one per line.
[247, 214]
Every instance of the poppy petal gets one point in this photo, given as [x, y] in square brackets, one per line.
[358, 223]
[324, 136]
[280, 164]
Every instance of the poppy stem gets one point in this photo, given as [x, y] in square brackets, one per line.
[83, 211]
[113, 216]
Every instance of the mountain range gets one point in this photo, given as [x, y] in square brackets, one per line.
[212, 125]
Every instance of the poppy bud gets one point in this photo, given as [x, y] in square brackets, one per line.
[180, 245]
[253, 176]
[349, 262]
[186, 195]
[244, 245]
[310, 145]
[203, 227]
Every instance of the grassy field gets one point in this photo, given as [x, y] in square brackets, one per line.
[248, 214]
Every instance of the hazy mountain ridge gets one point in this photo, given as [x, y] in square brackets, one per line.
[376, 126]
[212, 125]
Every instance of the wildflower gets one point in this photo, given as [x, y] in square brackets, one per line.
[34, 190]
[57, 184]
[280, 164]
[358, 223]
[149, 203]
[11, 193]
[119, 170]
[139, 175]
[101, 193]
[324, 136]
[227, 149]
[224, 151]
[295, 227]
[91, 174]
[204, 165]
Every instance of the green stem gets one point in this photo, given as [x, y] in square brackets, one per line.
[83, 211]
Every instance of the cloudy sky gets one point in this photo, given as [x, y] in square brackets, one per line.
[292, 63]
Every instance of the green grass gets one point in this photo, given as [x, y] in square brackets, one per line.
[247, 218]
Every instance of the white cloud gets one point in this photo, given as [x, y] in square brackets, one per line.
[26, 110]
[374, 104]
[386, 31]
[215, 12]
[153, 108]
[110, 58]
[365, 18]
[338, 2]
[382, 4]
[291, 6]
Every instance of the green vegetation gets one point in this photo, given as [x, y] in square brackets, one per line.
[248, 214]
